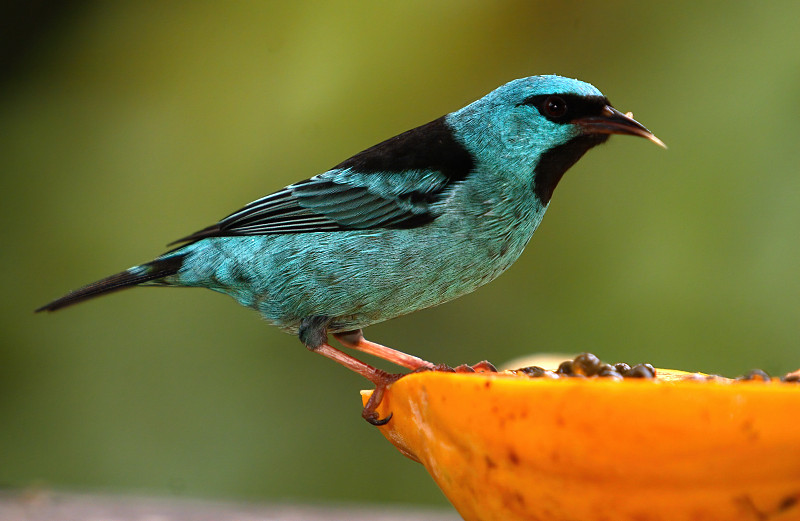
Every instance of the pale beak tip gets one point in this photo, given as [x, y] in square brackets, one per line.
[657, 141]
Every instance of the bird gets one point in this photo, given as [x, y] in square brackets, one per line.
[417, 220]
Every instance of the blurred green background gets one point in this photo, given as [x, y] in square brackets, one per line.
[127, 125]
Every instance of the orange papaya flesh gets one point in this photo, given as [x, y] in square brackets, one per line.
[681, 446]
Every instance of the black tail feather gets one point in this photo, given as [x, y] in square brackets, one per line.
[154, 270]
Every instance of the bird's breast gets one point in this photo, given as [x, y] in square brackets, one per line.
[495, 228]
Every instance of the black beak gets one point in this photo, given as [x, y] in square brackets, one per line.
[612, 121]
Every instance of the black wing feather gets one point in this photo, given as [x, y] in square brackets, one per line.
[391, 185]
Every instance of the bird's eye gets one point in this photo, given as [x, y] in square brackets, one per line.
[554, 106]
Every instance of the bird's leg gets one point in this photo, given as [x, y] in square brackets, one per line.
[313, 333]
[381, 379]
[355, 340]
[372, 374]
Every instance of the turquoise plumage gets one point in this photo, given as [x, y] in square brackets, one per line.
[413, 222]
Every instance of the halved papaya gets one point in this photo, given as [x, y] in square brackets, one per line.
[504, 446]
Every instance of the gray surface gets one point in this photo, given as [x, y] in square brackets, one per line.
[47, 506]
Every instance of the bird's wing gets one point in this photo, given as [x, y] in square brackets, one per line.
[395, 184]
[338, 200]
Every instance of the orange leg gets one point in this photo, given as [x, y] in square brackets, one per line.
[372, 374]
[381, 379]
[313, 332]
[355, 340]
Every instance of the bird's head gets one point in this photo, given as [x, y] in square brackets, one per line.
[541, 124]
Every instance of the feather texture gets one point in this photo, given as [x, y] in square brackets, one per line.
[414, 221]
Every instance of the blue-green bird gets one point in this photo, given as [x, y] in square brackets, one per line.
[417, 220]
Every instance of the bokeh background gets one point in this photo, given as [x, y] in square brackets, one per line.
[125, 125]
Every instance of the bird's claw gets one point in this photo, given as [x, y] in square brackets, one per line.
[372, 418]
[369, 412]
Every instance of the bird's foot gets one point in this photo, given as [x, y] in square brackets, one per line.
[313, 333]
[385, 379]
[380, 378]
[370, 413]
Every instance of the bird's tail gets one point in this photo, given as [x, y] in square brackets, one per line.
[151, 271]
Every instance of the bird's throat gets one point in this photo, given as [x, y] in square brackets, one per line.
[557, 160]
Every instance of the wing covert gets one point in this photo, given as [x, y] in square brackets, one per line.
[395, 184]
